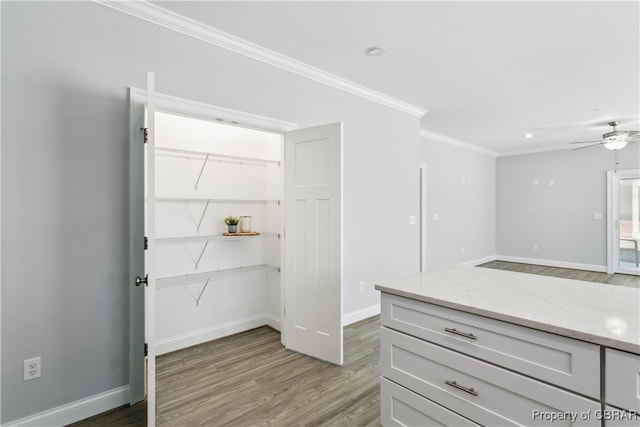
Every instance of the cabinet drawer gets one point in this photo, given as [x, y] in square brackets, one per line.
[475, 389]
[622, 379]
[614, 417]
[402, 407]
[558, 360]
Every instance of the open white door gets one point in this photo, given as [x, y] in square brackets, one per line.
[136, 250]
[150, 297]
[313, 242]
[142, 248]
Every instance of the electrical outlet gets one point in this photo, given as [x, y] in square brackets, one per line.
[32, 368]
[362, 286]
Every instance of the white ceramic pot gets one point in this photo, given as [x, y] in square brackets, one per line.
[245, 224]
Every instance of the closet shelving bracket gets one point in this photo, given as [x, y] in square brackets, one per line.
[203, 212]
[206, 158]
[202, 292]
[206, 243]
[192, 279]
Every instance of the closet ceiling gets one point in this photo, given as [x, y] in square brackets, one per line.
[487, 72]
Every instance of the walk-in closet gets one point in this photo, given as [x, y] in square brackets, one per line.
[212, 283]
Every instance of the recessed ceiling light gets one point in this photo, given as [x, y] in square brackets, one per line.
[374, 51]
[528, 135]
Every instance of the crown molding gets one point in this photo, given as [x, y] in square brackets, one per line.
[532, 151]
[457, 143]
[150, 12]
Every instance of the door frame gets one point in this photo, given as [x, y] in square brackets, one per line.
[198, 110]
[613, 212]
[423, 216]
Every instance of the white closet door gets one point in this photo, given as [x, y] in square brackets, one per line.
[136, 250]
[150, 296]
[313, 242]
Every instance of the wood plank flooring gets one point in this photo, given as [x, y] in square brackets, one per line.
[249, 379]
[567, 273]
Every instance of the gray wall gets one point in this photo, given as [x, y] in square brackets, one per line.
[559, 218]
[461, 190]
[65, 71]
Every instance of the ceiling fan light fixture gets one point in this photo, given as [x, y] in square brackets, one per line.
[615, 144]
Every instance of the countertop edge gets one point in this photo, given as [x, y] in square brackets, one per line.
[545, 327]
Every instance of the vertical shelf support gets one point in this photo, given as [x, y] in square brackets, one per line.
[202, 292]
[202, 170]
[203, 212]
[202, 253]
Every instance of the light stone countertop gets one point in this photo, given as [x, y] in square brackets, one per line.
[603, 314]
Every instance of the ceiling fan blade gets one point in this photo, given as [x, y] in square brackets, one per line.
[587, 146]
[584, 142]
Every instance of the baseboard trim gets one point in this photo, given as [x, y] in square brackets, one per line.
[273, 322]
[177, 342]
[76, 411]
[479, 261]
[552, 263]
[358, 315]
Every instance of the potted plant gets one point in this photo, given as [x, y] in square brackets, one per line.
[232, 223]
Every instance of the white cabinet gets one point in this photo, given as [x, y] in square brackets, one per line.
[401, 407]
[211, 285]
[473, 372]
[564, 362]
[622, 388]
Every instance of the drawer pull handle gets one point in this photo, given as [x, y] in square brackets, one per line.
[459, 387]
[462, 334]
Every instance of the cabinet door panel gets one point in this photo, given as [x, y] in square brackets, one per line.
[402, 407]
[558, 360]
[614, 417]
[474, 389]
[622, 373]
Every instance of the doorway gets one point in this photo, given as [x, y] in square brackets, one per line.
[178, 205]
[623, 199]
[210, 282]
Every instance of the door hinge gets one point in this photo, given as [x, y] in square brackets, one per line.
[146, 243]
[146, 134]
[146, 349]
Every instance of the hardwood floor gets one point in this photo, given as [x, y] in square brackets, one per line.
[249, 379]
[567, 273]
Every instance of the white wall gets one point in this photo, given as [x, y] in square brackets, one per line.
[559, 218]
[195, 313]
[66, 67]
[461, 191]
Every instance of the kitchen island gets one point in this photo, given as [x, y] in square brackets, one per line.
[475, 346]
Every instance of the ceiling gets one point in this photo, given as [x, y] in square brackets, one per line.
[487, 72]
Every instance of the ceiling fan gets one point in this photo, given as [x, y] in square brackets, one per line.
[614, 140]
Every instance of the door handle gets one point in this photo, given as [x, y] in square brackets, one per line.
[141, 280]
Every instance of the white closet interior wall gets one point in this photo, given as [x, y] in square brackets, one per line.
[234, 302]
